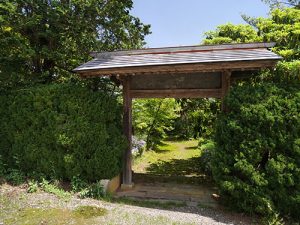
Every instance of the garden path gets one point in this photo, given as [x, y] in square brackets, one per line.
[172, 173]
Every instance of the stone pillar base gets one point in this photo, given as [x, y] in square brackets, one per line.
[127, 187]
[110, 186]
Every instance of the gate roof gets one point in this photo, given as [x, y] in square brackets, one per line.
[201, 58]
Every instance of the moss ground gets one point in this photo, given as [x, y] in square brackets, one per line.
[15, 210]
[171, 158]
[17, 207]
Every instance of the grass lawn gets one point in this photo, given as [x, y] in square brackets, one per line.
[20, 208]
[17, 207]
[172, 158]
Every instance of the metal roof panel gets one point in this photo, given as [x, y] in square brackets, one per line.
[179, 57]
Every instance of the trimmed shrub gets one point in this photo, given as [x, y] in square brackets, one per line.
[207, 149]
[15, 177]
[2, 169]
[62, 131]
[257, 159]
[287, 72]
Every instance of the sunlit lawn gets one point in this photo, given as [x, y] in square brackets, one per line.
[171, 158]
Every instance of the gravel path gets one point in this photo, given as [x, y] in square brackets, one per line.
[117, 213]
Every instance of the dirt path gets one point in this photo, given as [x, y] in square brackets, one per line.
[172, 173]
[19, 207]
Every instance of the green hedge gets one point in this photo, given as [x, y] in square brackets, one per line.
[257, 160]
[61, 131]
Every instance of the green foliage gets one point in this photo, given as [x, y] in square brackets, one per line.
[33, 186]
[207, 148]
[196, 118]
[256, 162]
[14, 176]
[61, 130]
[95, 191]
[2, 167]
[152, 118]
[53, 189]
[279, 4]
[78, 184]
[257, 159]
[230, 33]
[282, 27]
[155, 119]
[44, 40]
[273, 219]
[287, 72]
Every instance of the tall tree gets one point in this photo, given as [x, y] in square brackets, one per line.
[152, 118]
[46, 39]
[196, 118]
[230, 33]
[250, 172]
[279, 3]
[282, 27]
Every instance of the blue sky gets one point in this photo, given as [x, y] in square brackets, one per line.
[183, 22]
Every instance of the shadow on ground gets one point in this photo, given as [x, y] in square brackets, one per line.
[189, 195]
[192, 147]
[184, 167]
[219, 215]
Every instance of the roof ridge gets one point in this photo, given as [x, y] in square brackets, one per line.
[181, 49]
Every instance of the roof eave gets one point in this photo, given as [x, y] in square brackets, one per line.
[183, 68]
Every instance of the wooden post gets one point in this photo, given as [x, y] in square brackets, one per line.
[127, 126]
[225, 87]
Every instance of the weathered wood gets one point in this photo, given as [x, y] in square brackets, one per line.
[127, 126]
[225, 87]
[177, 93]
[176, 81]
[246, 74]
[191, 67]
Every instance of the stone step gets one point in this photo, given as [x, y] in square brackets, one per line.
[189, 202]
[192, 194]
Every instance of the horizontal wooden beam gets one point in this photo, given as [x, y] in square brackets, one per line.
[176, 81]
[182, 68]
[177, 93]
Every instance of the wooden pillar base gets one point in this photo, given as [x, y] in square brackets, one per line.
[127, 187]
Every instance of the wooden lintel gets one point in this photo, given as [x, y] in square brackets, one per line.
[183, 68]
[177, 93]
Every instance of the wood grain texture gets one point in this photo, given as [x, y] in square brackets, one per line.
[127, 126]
[176, 81]
[177, 93]
[182, 68]
[225, 87]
